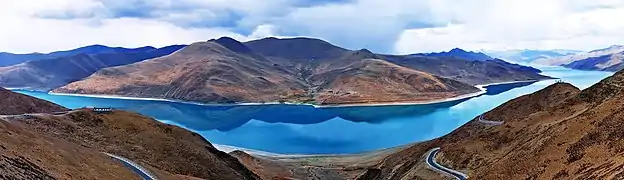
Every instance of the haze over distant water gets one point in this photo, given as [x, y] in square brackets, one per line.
[294, 129]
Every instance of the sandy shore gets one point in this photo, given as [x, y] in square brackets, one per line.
[163, 100]
[229, 149]
[481, 87]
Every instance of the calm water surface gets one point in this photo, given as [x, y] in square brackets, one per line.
[297, 129]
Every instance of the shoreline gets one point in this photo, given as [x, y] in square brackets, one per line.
[228, 149]
[512, 82]
[456, 98]
[481, 87]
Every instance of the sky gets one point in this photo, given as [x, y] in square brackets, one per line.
[383, 26]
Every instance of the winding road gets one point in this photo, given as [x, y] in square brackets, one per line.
[4, 117]
[433, 152]
[495, 123]
[433, 164]
[146, 175]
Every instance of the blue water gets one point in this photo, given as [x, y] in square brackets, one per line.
[302, 129]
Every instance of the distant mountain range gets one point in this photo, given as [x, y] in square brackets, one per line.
[8, 59]
[299, 70]
[529, 55]
[265, 70]
[607, 59]
[69, 66]
[459, 53]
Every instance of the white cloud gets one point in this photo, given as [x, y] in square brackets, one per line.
[23, 32]
[265, 30]
[401, 26]
[534, 24]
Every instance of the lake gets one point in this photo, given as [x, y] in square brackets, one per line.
[301, 129]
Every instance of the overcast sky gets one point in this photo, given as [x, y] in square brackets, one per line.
[385, 26]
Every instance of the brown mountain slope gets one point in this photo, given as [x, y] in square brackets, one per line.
[146, 141]
[526, 105]
[13, 103]
[471, 72]
[308, 54]
[218, 71]
[227, 71]
[27, 155]
[374, 80]
[70, 145]
[560, 134]
[297, 49]
[213, 71]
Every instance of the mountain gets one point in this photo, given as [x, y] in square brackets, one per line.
[294, 70]
[609, 62]
[608, 59]
[391, 83]
[13, 103]
[558, 132]
[28, 155]
[517, 67]
[302, 49]
[471, 72]
[8, 59]
[71, 145]
[224, 71]
[461, 54]
[56, 72]
[529, 55]
[456, 67]
[210, 72]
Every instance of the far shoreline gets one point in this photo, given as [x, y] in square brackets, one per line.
[481, 87]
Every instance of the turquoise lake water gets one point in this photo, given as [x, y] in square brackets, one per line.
[299, 129]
